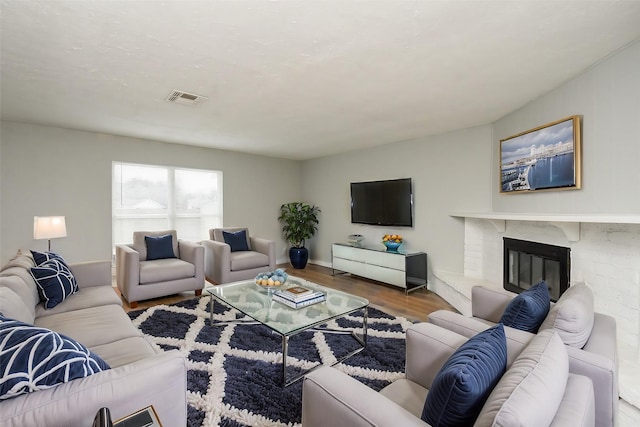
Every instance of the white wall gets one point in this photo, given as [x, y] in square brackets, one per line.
[608, 97]
[53, 171]
[607, 256]
[450, 172]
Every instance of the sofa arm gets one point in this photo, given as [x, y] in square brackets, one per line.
[127, 269]
[332, 398]
[577, 406]
[217, 260]
[193, 253]
[428, 347]
[92, 273]
[603, 372]
[159, 380]
[517, 340]
[489, 304]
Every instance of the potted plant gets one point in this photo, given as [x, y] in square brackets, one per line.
[299, 223]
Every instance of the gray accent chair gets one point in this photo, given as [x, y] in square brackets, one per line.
[224, 266]
[140, 279]
[590, 337]
[537, 388]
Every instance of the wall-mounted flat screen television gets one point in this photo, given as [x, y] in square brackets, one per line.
[388, 202]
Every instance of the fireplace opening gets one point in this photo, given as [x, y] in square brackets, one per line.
[527, 263]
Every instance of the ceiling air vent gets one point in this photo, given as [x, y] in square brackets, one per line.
[185, 98]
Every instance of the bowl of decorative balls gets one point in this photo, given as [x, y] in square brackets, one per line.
[392, 242]
[271, 279]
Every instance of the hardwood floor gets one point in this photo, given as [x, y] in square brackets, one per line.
[416, 306]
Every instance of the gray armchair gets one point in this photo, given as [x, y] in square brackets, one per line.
[140, 278]
[224, 265]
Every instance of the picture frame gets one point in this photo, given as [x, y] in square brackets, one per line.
[547, 157]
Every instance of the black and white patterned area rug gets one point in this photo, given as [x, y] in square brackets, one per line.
[235, 369]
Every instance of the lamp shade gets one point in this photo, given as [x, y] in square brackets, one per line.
[49, 227]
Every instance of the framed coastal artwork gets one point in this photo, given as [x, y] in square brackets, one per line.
[544, 158]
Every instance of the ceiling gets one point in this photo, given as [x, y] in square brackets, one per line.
[295, 79]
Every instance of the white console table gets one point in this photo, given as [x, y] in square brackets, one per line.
[407, 270]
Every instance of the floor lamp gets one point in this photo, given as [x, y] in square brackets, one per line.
[49, 227]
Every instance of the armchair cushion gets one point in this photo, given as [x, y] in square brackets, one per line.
[55, 282]
[246, 260]
[464, 382]
[531, 390]
[36, 358]
[159, 247]
[163, 270]
[528, 310]
[572, 316]
[237, 240]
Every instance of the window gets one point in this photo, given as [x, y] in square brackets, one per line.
[147, 197]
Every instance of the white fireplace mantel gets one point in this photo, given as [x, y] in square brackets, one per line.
[568, 223]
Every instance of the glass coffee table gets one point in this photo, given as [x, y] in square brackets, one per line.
[256, 302]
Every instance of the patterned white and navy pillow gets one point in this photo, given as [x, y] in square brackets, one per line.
[35, 358]
[42, 257]
[55, 282]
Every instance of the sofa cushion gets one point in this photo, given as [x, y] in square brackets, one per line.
[36, 358]
[572, 316]
[23, 260]
[89, 297]
[55, 282]
[140, 245]
[530, 392]
[464, 382]
[92, 326]
[126, 351]
[159, 247]
[12, 306]
[247, 260]
[407, 394]
[22, 291]
[163, 270]
[30, 295]
[237, 240]
[527, 310]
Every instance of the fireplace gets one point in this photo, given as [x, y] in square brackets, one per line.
[527, 263]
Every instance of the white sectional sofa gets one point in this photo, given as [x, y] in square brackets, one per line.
[140, 374]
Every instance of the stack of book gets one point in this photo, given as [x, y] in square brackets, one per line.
[298, 296]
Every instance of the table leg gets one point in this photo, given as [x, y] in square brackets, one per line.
[365, 316]
[210, 309]
[285, 344]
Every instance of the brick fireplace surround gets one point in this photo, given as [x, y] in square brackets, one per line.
[605, 255]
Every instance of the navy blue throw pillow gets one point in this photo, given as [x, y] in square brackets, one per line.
[42, 257]
[35, 358]
[528, 310]
[159, 247]
[466, 379]
[237, 240]
[55, 282]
